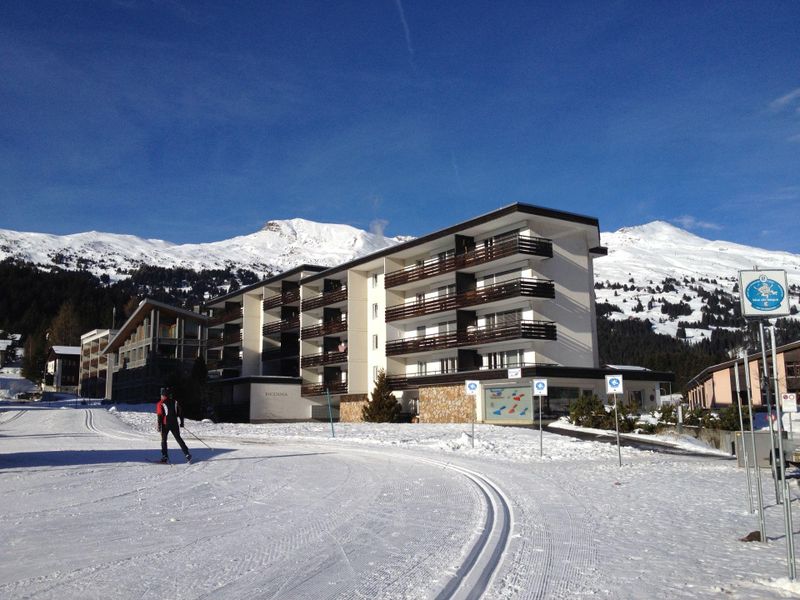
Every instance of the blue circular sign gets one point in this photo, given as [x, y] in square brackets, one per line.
[614, 382]
[540, 385]
[764, 294]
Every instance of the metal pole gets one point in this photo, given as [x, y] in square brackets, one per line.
[541, 444]
[765, 387]
[787, 500]
[616, 426]
[756, 468]
[741, 429]
[330, 411]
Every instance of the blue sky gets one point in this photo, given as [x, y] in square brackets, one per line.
[198, 121]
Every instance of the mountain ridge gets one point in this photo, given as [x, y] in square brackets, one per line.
[655, 271]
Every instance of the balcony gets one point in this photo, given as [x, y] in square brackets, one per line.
[325, 299]
[282, 299]
[282, 325]
[225, 363]
[522, 288]
[331, 327]
[226, 340]
[485, 253]
[533, 330]
[325, 358]
[319, 389]
[226, 317]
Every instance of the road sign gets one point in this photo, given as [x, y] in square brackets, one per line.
[613, 384]
[540, 387]
[471, 388]
[764, 294]
[789, 402]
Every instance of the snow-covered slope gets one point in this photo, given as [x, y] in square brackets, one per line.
[659, 263]
[278, 246]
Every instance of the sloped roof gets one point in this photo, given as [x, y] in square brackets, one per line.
[145, 307]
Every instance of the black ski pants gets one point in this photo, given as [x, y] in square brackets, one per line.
[176, 433]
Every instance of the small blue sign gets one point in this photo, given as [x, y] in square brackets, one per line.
[765, 294]
[540, 385]
[613, 382]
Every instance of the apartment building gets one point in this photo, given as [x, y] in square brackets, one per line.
[509, 290]
[715, 386]
[156, 341]
[253, 350]
[94, 380]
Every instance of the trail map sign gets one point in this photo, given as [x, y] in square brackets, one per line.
[764, 293]
[508, 403]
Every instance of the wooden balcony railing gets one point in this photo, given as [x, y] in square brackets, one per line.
[225, 340]
[224, 363]
[325, 358]
[535, 330]
[319, 389]
[328, 328]
[522, 287]
[289, 297]
[325, 299]
[282, 325]
[225, 317]
[499, 248]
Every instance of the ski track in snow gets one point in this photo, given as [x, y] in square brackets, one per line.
[85, 516]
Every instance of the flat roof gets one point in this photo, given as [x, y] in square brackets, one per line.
[517, 207]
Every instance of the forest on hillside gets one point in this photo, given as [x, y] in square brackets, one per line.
[56, 307]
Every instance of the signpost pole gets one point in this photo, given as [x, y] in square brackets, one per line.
[756, 468]
[741, 429]
[787, 499]
[330, 411]
[541, 443]
[539, 389]
[616, 426]
[766, 391]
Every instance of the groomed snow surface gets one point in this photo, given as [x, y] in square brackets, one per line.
[379, 511]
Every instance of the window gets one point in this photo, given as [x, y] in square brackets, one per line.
[374, 310]
[375, 342]
[504, 360]
[375, 373]
[421, 331]
[501, 319]
[422, 368]
[374, 280]
[447, 365]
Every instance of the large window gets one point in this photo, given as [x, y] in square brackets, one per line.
[504, 360]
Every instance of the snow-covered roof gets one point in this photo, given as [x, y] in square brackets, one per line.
[70, 350]
[627, 368]
[4, 344]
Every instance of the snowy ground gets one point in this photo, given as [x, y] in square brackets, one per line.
[405, 511]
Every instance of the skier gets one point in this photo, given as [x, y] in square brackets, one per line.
[169, 412]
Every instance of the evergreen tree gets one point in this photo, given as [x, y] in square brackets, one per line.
[65, 328]
[384, 407]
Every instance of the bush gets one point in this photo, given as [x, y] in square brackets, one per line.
[589, 411]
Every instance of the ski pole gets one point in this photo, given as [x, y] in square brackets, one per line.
[198, 439]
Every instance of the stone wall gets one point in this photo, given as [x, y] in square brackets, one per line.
[445, 405]
[350, 407]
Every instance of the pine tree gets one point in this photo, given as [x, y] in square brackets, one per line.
[384, 407]
[65, 328]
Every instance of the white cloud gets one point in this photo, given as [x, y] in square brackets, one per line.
[786, 100]
[690, 222]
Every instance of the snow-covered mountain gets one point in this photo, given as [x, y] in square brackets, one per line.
[655, 271]
[278, 246]
[650, 267]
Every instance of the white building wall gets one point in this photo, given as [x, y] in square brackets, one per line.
[252, 323]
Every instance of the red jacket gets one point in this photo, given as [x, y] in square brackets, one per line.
[169, 413]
